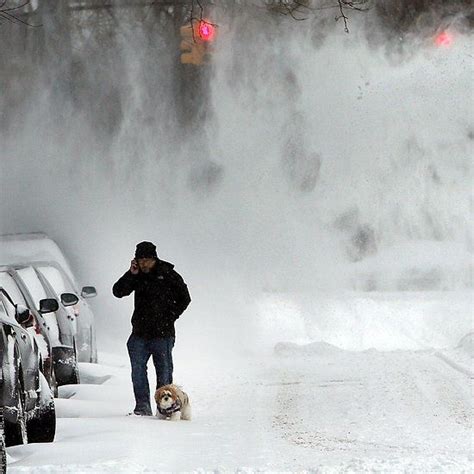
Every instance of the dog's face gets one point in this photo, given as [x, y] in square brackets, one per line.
[165, 397]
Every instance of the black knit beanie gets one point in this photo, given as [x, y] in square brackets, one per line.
[145, 250]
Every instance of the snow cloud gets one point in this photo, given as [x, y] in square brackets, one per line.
[302, 154]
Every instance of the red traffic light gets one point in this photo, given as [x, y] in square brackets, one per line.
[206, 31]
[444, 39]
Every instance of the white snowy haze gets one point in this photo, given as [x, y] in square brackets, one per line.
[314, 189]
[325, 163]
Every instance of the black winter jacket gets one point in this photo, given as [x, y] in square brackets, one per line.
[161, 296]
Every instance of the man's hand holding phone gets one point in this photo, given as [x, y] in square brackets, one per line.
[134, 267]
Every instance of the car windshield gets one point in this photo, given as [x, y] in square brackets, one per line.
[7, 282]
[32, 282]
[56, 279]
[37, 292]
[7, 310]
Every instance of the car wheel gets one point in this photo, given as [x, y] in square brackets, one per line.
[3, 453]
[42, 427]
[74, 378]
[65, 365]
[16, 433]
[50, 375]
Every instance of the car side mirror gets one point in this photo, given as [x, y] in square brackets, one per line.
[88, 292]
[69, 299]
[48, 305]
[22, 314]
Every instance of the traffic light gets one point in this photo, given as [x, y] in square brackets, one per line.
[444, 39]
[195, 42]
[206, 31]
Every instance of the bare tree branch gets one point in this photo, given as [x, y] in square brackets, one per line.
[199, 19]
[342, 15]
[287, 8]
[14, 8]
[6, 14]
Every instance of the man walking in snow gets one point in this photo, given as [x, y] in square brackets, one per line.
[161, 296]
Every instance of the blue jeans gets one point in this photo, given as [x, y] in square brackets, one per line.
[140, 350]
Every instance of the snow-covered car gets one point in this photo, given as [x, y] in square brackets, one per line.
[39, 250]
[60, 325]
[26, 398]
[39, 323]
[59, 284]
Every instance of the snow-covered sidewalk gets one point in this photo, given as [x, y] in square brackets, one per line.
[307, 408]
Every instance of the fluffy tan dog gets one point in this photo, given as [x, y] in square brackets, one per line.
[172, 403]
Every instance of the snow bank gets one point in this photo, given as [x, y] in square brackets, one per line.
[461, 358]
[85, 409]
[466, 344]
[361, 321]
[100, 393]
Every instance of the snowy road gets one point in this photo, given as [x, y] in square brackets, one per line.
[407, 407]
[322, 409]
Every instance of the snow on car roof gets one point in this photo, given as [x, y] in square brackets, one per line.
[31, 247]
